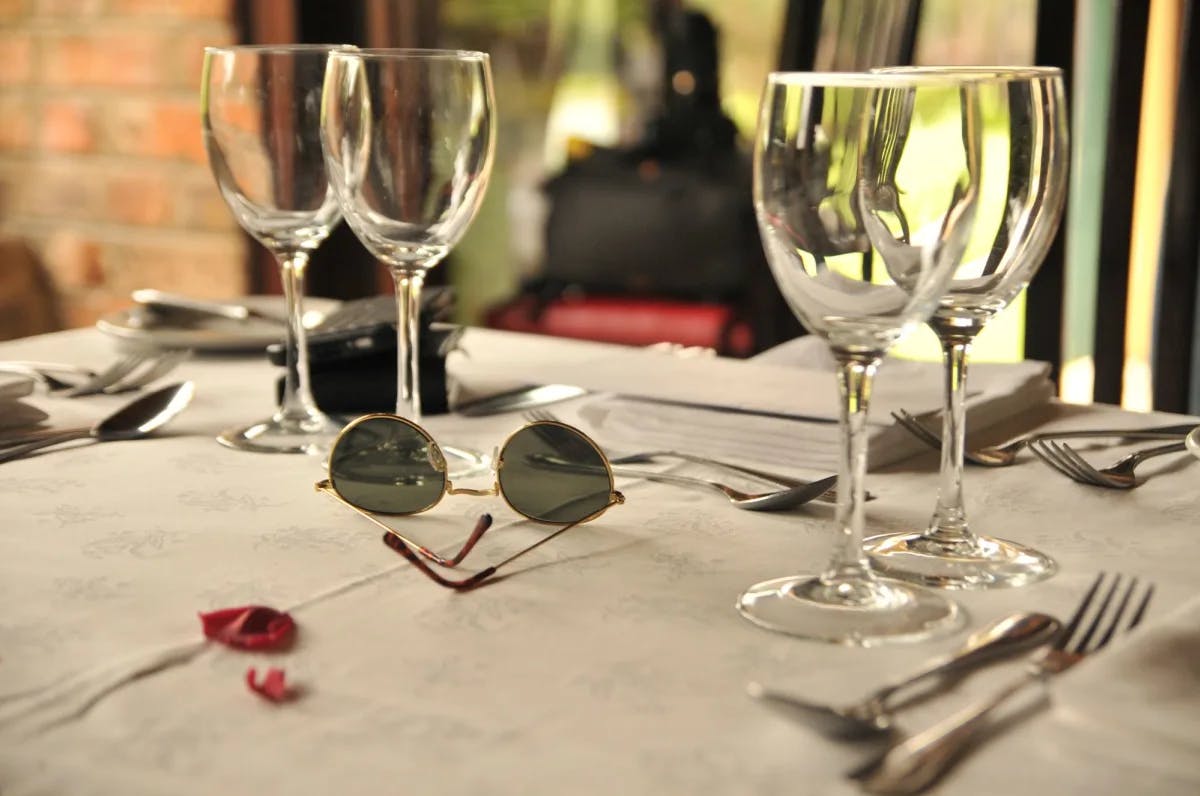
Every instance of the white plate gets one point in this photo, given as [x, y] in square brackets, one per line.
[211, 334]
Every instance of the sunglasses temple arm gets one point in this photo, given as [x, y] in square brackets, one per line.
[481, 527]
[617, 498]
[394, 542]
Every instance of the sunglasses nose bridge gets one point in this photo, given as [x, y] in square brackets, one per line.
[491, 492]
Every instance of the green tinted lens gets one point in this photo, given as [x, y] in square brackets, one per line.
[385, 465]
[553, 473]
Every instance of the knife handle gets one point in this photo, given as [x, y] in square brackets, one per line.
[915, 764]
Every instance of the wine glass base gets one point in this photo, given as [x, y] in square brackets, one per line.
[981, 562]
[464, 462]
[859, 613]
[312, 436]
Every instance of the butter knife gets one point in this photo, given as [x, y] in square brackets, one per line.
[522, 398]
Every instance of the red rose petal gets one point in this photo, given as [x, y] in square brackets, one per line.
[273, 686]
[251, 627]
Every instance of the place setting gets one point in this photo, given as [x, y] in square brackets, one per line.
[762, 567]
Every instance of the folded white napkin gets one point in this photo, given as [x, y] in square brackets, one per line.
[1133, 710]
[781, 407]
[15, 413]
[15, 385]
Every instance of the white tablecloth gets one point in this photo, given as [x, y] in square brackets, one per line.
[612, 661]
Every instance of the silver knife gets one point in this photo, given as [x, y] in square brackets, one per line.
[158, 301]
[523, 398]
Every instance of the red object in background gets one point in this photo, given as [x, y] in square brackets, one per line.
[251, 627]
[631, 321]
[272, 687]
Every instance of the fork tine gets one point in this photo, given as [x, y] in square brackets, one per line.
[914, 427]
[1084, 472]
[1136, 619]
[1065, 634]
[539, 415]
[112, 373]
[158, 367]
[1073, 465]
[1081, 646]
[130, 375]
[1116, 620]
[1094, 475]
[1050, 458]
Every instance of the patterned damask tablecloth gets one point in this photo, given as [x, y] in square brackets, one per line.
[612, 661]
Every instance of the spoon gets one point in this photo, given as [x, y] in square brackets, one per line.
[136, 419]
[1192, 440]
[777, 500]
[871, 717]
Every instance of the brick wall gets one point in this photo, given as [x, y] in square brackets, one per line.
[102, 166]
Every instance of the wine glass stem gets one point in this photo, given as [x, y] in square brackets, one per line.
[408, 375]
[855, 375]
[949, 523]
[297, 403]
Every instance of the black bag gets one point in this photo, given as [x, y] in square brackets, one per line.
[628, 225]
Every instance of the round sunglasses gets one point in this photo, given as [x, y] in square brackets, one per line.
[546, 471]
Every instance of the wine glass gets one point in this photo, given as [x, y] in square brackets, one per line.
[409, 138]
[864, 188]
[260, 109]
[1022, 189]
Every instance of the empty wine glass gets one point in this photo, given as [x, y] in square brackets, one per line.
[1022, 189]
[409, 138]
[260, 109]
[864, 188]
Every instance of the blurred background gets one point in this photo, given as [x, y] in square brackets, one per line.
[619, 207]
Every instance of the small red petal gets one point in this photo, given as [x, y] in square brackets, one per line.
[273, 686]
[251, 627]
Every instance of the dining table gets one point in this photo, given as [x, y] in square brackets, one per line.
[611, 660]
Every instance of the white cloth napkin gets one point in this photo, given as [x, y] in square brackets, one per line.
[1133, 710]
[15, 385]
[15, 413]
[639, 394]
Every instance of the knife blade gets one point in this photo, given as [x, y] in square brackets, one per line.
[521, 398]
[161, 302]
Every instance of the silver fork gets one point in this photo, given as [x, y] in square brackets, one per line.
[1118, 475]
[1005, 454]
[110, 375]
[155, 368]
[915, 764]
[649, 456]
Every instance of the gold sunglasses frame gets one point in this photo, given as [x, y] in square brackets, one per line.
[326, 486]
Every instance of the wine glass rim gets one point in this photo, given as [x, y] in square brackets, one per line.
[862, 79]
[414, 53]
[975, 72]
[280, 49]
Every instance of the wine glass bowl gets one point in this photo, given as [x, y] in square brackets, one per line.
[862, 231]
[1022, 192]
[260, 110]
[409, 140]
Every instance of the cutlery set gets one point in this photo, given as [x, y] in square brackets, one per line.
[795, 492]
[1111, 607]
[134, 420]
[915, 763]
[127, 373]
[874, 715]
[1062, 457]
